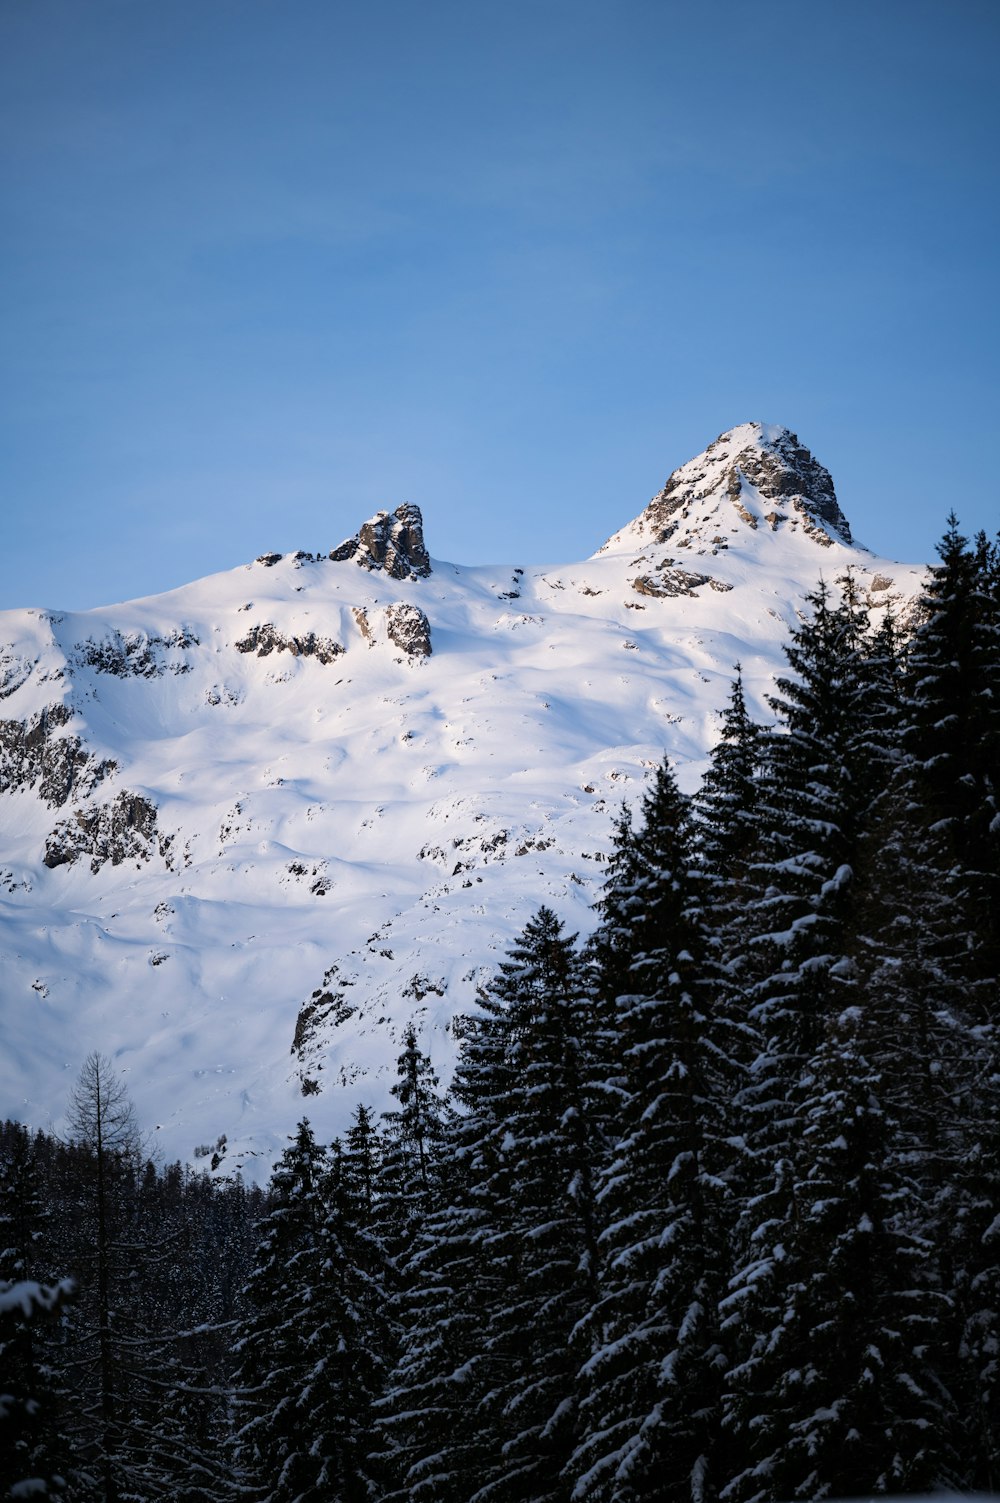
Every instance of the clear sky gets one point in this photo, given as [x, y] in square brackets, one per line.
[268, 265]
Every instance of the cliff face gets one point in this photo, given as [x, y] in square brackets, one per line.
[253, 828]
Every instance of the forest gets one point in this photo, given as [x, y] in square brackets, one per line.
[710, 1212]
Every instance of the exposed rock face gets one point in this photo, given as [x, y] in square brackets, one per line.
[137, 654]
[265, 639]
[363, 624]
[327, 1008]
[34, 752]
[675, 582]
[409, 629]
[755, 473]
[124, 830]
[393, 543]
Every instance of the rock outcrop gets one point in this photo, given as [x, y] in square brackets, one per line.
[675, 582]
[265, 639]
[125, 830]
[409, 629]
[137, 654]
[393, 543]
[37, 753]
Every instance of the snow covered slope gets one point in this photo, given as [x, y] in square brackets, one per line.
[252, 827]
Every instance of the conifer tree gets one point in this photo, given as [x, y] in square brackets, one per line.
[429, 1441]
[834, 1393]
[481, 1405]
[974, 1207]
[811, 950]
[413, 1134]
[952, 743]
[348, 1337]
[276, 1445]
[933, 961]
[105, 1327]
[311, 1352]
[650, 1401]
[824, 766]
[541, 1225]
[31, 1444]
[28, 1466]
[725, 808]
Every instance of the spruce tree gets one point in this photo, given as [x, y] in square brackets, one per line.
[725, 808]
[807, 955]
[952, 743]
[276, 1446]
[413, 1135]
[541, 1226]
[311, 1351]
[347, 1334]
[481, 1404]
[835, 1393]
[933, 959]
[28, 1466]
[650, 1387]
[429, 1440]
[31, 1442]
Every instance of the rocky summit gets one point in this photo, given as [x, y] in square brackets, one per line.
[254, 827]
[752, 475]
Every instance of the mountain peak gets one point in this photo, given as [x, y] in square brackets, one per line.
[753, 474]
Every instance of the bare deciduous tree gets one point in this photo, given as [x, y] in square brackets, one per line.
[101, 1115]
[102, 1119]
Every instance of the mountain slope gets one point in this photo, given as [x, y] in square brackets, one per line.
[252, 827]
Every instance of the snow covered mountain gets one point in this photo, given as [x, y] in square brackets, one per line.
[254, 826]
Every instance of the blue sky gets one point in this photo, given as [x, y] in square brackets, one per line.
[266, 267]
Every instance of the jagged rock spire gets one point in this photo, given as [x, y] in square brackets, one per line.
[394, 543]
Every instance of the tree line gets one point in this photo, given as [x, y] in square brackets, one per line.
[710, 1211]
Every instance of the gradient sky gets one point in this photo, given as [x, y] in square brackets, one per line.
[268, 265]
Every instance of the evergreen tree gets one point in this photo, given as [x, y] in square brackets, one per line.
[31, 1445]
[651, 1385]
[540, 1196]
[824, 767]
[810, 952]
[933, 958]
[348, 1335]
[725, 808]
[952, 743]
[310, 1351]
[26, 1457]
[413, 1134]
[431, 1446]
[975, 1238]
[834, 1395]
[481, 1405]
[275, 1443]
[411, 1175]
